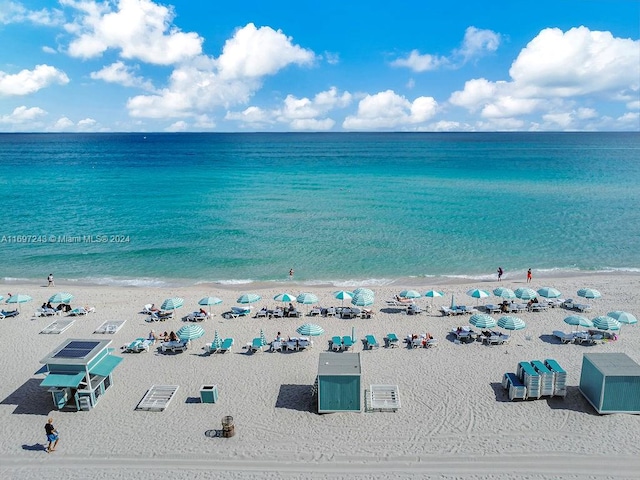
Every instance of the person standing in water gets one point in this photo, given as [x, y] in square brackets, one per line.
[529, 276]
[500, 272]
[291, 274]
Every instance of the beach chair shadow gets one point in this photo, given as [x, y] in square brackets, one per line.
[552, 339]
[295, 397]
[30, 399]
[500, 393]
[193, 400]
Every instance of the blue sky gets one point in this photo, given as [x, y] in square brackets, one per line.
[141, 65]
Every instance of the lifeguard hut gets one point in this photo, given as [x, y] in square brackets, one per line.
[611, 382]
[79, 371]
[339, 383]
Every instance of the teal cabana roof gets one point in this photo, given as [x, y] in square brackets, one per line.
[106, 366]
[63, 380]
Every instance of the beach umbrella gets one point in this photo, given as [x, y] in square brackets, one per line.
[604, 322]
[284, 298]
[477, 293]
[363, 298]
[579, 321]
[549, 292]
[248, 298]
[343, 295]
[363, 290]
[504, 292]
[208, 301]
[409, 294]
[622, 317]
[482, 320]
[307, 298]
[217, 341]
[172, 304]
[263, 338]
[18, 299]
[190, 332]
[433, 294]
[526, 293]
[589, 293]
[61, 297]
[310, 329]
[509, 322]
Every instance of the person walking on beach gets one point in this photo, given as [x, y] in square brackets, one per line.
[500, 272]
[52, 435]
[50, 280]
[529, 276]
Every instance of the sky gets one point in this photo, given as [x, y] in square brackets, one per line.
[329, 66]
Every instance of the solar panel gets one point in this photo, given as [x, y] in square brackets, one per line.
[76, 350]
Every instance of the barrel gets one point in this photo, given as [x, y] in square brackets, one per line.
[228, 428]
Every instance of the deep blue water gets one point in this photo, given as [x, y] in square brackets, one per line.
[335, 207]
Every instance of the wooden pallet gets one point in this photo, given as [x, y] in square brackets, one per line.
[383, 398]
[157, 398]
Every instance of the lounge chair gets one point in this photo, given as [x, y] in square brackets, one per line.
[331, 312]
[139, 345]
[336, 344]
[465, 334]
[391, 340]
[315, 312]
[110, 326]
[238, 312]
[227, 343]
[564, 337]
[491, 308]
[81, 311]
[46, 312]
[276, 346]
[347, 342]
[399, 303]
[9, 314]
[159, 316]
[147, 309]
[262, 313]
[196, 317]
[447, 312]
[255, 345]
[369, 342]
[175, 347]
[414, 309]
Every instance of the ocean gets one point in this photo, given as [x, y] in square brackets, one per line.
[343, 208]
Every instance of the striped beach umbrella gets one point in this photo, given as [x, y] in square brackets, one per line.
[504, 292]
[549, 292]
[284, 298]
[248, 298]
[310, 330]
[263, 338]
[433, 294]
[604, 322]
[18, 298]
[509, 322]
[477, 293]
[363, 290]
[61, 297]
[208, 301]
[172, 303]
[363, 298]
[409, 294]
[217, 341]
[526, 293]
[623, 317]
[307, 298]
[190, 332]
[589, 293]
[578, 321]
[482, 320]
[343, 295]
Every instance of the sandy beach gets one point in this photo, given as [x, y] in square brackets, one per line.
[455, 420]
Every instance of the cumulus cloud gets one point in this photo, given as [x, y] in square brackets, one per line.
[476, 43]
[22, 115]
[232, 79]
[554, 68]
[26, 82]
[64, 124]
[179, 126]
[123, 75]
[388, 110]
[14, 12]
[138, 29]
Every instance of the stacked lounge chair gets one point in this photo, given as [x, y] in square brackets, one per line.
[514, 385]
[536, 379]
[559, 377]
[530, 378]
[546, 378]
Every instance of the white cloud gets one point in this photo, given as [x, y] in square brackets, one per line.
[554, 68]
[388, 110]
[139, 29]
[256, 52]
[332, 58]
[250, 115]
[631, 119]
[14, 12]
[22, 115]
[121, 74]
[62, 124]
[633, 105]
[26, 82]
[231, 79]
[476, 43]
[312, 124]
[50, 50]
[179, 126]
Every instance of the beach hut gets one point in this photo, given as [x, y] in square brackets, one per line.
[339, 383]
[611, 382]
[79, 371]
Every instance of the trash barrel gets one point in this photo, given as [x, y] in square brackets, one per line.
[228, 428]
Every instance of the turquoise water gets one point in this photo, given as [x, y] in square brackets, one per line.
[335, 207]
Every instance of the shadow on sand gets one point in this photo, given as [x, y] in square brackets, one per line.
[295, 397]
[30, 399]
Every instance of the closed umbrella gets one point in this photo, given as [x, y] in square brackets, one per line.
[549, 292]
[208, 301]
[504, 292]
[578, 321]
[310, 330]
[17, 299]
[263, 338]
[604, 322]
[190, 332]
[343, 295]
[409, 294]
[589, 293]
[61, 297]
[217, 341]
[526, 293]
[482, 320]
[248, 298]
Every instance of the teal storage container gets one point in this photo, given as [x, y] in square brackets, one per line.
[339, 383]
[209, 393]
[611, 382]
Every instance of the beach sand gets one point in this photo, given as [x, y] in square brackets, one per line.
[455, 420]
